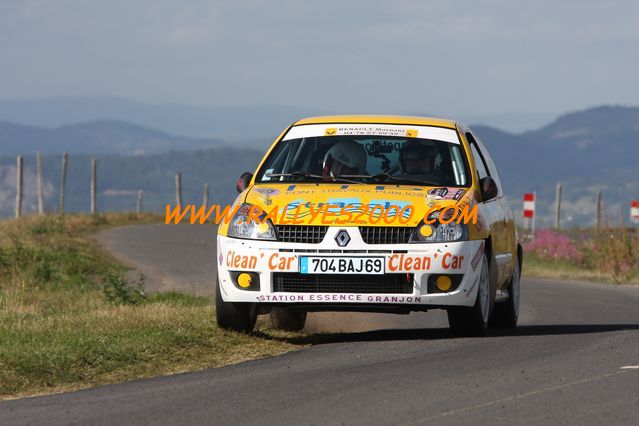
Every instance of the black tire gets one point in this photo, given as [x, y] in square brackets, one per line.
[506, 313]
[287, 319]
[236, 316]
[473, 321]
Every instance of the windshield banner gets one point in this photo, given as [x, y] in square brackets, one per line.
[382, 130]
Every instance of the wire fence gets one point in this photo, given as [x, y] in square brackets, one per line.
[92, 193]
[527, 219]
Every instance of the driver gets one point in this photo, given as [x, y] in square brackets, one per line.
[346, 157]
[418, 158]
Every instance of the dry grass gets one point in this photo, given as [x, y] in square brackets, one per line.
[68, 319]
[537, 268]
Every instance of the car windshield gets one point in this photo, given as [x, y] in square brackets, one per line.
[367, 159]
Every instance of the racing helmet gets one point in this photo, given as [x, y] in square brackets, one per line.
[425, 153]
[345, 157]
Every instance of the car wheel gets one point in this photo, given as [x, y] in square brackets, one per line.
[287, 319]
[473, 321]
[237, 316]
[507, 313]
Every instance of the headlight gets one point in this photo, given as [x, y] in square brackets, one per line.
[240, 227]
[438, 232]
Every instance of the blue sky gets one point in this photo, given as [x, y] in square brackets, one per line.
[444, 57]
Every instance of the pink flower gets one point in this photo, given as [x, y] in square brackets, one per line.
[553, 245]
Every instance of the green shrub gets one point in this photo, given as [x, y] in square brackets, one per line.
[118, 290]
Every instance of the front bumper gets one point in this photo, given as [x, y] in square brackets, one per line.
[269, 259]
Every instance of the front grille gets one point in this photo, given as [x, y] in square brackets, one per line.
[385, 234]
[287, 282]
[300, 233]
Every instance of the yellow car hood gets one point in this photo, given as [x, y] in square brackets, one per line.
[352, 204]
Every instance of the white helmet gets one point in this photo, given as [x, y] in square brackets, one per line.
[349, 153]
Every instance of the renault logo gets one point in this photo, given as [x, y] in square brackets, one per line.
[342, 238]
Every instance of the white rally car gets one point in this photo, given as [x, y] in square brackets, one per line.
[371, 213]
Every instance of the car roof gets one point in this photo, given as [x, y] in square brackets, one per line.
[378, 119]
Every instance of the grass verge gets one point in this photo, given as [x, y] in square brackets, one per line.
[536, 267]
[69, 320]
[607, 255]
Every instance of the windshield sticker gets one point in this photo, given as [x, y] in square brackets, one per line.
[390, 130]
[438, 192]
[459, 194]
[446, 193]
[267, 173]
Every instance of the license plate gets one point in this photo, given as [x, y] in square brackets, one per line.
[341, 265]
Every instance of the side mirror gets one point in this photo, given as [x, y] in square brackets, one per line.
[488, 188]
[243, 181]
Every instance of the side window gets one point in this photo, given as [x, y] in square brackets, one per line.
[482, 170]
[479, 151]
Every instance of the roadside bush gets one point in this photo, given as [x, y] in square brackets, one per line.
[118, 290]
[552, 245]
[614, 251]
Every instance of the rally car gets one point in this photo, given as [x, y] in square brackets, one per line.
[371, 213]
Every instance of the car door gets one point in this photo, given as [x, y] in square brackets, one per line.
[500, 220]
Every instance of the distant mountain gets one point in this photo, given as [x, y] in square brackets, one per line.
[513, 122]
[95, 137]
[587, 128]
[587, 151]
[594, 140]
[231, 123]
[588, 144]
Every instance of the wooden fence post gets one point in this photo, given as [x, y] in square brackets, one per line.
[138, 206]
[63, 180]
[178, 189]
[93, 185]
[205, 197]
[19, 186]
[599, 210]
[39, 184]
[558, 207]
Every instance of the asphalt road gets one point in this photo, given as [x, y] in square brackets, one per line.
[170, 256]
[565, 364]
[183, 257]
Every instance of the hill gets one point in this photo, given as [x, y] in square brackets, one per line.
[94, 137]
[237, 123]
[587, 151]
